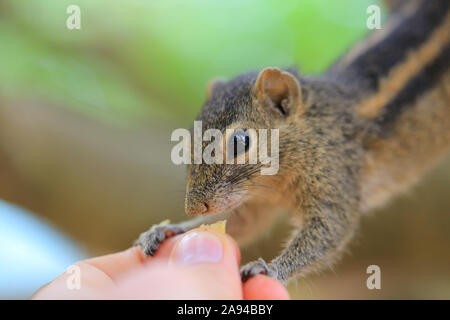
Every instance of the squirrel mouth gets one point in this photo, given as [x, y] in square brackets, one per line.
[219, 204]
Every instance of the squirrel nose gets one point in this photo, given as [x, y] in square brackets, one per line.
[196, 209]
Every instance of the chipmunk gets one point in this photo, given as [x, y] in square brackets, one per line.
[349, 140]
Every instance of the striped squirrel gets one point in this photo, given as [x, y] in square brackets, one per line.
[349, 140]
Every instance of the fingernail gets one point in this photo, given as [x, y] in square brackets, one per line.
[197, 247]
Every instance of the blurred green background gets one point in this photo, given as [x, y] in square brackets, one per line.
[86, 117]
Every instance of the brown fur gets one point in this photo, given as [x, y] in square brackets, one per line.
[421, 137]
[346, 145]
[401, 74]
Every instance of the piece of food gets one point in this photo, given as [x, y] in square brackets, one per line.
[219, 226]
[165, 222]
[162, 223]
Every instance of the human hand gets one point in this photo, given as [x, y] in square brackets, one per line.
[200, 264]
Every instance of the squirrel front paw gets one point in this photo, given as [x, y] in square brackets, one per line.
[149, 241]
[259, 266]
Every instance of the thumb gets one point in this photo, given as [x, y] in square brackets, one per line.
[212, 258]
[203, 264]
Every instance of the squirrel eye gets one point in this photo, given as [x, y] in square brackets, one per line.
[241, 141]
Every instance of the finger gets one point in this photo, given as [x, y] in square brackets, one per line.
[113, 265]
[164, 250]
[101, 273]
[230, 241]
[116, 263]
[262, 287]
[202, 265]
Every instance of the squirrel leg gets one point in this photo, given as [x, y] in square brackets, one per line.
[328, 225]
[150, 240]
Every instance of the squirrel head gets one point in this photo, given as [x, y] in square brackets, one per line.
[255, 100]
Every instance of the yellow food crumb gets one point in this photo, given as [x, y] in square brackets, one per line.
[219, 225]
[162, 223]
[165, 222]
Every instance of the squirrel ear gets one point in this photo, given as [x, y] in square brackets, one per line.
[280, 90]
[213, 85]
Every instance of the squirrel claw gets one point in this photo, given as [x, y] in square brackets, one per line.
[149, 241]
[257, 267]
